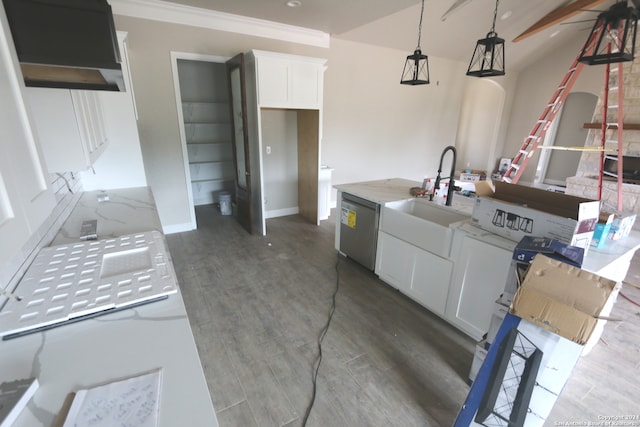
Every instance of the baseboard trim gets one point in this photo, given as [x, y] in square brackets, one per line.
[281, 212]
[178, 228]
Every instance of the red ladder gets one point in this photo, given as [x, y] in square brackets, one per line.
[617, 125]
[536, 136]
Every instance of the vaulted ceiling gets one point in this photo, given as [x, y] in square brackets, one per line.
[394, 24]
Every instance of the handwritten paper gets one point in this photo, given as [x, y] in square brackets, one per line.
[133, 402]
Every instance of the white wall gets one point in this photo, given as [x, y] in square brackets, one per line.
[373, 127]
[280, 166]
[480, 119]
[376, 128]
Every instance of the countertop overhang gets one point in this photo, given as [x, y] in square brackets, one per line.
[116, 345]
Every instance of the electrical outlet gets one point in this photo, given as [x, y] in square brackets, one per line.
[268, 149]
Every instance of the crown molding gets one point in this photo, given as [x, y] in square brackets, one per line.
[164, 11]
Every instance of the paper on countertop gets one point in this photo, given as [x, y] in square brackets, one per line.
[132, 402]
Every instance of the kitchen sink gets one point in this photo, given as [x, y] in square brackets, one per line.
[421, 223]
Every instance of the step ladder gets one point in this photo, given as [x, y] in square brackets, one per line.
[537, 134]
[609, 125]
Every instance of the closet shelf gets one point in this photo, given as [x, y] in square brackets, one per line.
[205, 122]
[212, 102]
[224, 179]
[208, 142]
[210, 162]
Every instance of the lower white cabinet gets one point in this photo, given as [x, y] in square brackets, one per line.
[417, 273]
[480, 274]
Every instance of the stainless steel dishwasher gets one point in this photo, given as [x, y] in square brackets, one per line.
[359, 229]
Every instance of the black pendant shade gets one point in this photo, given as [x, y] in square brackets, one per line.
[416, 67]
[613, 36]
[488, 56]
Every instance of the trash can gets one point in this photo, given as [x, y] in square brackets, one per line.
[224, 199]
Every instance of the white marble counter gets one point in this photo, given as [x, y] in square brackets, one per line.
[613, 259]
[116, 345]
[395, 189]
[380, 191]
[127, 211]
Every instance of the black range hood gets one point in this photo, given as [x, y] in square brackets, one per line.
[69, 44]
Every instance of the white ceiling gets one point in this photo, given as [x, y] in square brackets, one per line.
[394, 23]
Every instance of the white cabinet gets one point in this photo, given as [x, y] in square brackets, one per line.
[289, 81]
[26, 199]
[70, 127]
[417, 273]
[481, 270]
[284, 94]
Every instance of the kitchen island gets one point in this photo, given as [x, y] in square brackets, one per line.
[117, 345]
[437, 257]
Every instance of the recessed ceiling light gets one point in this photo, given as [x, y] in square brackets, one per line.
[555, 33]
[293, 3]
[506, 15]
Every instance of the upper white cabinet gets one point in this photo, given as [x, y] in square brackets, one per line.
[289, 81]
[70, 127]
[26, 199]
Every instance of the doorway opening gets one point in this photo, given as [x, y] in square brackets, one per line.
[555, 166]
[202, 95]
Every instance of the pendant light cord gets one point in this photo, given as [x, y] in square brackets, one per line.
[495, 15]
[420, 25]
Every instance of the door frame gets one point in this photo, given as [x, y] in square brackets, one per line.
[245, 199]
[175, 56]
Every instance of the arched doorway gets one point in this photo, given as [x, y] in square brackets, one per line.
[555, 166]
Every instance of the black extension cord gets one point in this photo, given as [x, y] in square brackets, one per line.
[320, 339]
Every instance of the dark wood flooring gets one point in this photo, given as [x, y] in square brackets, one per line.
[257, 305]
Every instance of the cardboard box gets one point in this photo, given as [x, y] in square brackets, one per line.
[563, 299]
[530, 246]
[559, 357]
[517, 271]
[622, 225]
[499, 312]
[514, 211]
[478, 359]
[473, 175]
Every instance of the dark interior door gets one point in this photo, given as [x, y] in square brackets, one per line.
[237, 92]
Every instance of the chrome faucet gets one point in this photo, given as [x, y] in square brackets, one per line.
[451, 181]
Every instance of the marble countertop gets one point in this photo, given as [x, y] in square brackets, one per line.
[119, 212]
[380, 191]
[116, 345]
[395, 189]
[610, 261]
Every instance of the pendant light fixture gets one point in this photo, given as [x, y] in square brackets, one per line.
[488, 57]
[613, 36]
[416, 68]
